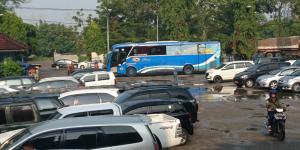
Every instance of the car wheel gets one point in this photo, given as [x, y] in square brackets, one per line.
[296, 87]
[218, 79]
[249, 83]
[188, 70]
[185, 136]
[82, 67]
[57, 67]
[131, 72]
[273, 85]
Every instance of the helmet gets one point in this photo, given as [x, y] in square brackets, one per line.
[273, 92]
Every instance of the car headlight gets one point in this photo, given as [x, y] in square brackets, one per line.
[244, 76]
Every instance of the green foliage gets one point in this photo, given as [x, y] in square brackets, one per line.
[51, 37]
[13, 26]
[84, 58]
[10, 68]
[93, 39]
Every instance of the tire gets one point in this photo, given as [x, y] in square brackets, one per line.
[188, 70]
[296, 87]
[249, 83]
[185, 136]
[57, 67]
[131, 72]
[273, 85]
[218, 79]
[82, 67]
[281, 131]
[239, 85]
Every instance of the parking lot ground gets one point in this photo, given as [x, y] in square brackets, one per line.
[229, 117]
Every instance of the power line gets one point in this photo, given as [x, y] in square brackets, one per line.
[50, 21]
[56, 9]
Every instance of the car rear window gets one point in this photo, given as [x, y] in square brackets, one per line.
[27, 81]
[121, 135]
[13, 82]
[106, 97]
[101, 112]
[46, 104]
[22, 113]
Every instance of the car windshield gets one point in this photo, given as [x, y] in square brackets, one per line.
[221, 66]
[296, 73]
[274, 72]
[16, 138]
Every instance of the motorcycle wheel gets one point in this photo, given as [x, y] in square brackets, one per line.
[281, 131]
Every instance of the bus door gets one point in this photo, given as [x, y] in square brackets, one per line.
[202, 57]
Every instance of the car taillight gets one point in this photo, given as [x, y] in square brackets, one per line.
[178, 131]
[156, 147]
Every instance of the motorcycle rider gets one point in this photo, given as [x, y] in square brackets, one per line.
[272, 104]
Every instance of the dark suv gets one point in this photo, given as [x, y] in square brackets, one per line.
[159, 92]
[249, 76]
[21, 112]
[177, 108]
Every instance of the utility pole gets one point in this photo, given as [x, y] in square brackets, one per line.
[157, 20]
[107, 28]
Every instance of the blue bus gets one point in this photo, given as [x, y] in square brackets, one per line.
[149, 57]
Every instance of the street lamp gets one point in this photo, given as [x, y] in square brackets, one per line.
[107, 28]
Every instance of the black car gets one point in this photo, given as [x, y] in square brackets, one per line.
[23, 111]
[159, 92]
[63, 63]
[249, 76]
[18, 82]
[177, 108]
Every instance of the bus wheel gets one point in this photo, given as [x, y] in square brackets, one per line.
[188, 70]
[131, 72]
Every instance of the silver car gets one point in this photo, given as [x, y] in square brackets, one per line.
[103, 133]
[270, 80]
[290, 82]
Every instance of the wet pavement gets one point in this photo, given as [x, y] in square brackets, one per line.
[230, 118]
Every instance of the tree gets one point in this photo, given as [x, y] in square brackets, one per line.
[93, 38]
[13, 27]
[10, 68]
[51, 37]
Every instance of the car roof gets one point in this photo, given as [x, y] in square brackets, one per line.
[95, 72]
[88, 91]
[148, 102]
[156, 87]
[15, 77]
[87, 121]
[58, 78]
[87, 107]
[240, 61]
[85, 70]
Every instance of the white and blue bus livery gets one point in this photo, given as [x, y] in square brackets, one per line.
[132, 58]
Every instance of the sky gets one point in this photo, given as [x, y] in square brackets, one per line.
[30, 15]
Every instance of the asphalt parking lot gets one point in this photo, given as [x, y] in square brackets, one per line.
[229, 118]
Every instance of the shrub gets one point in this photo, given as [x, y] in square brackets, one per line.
[10, 68]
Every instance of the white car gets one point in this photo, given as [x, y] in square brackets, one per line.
[166, 128]
[88, 96]
[227, 71]
[97, 133]
[85, 64]
[98, 78]
[6, 89]
[270, 80]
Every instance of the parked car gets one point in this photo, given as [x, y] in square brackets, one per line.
[249, 76]
[227, 71]
[98, 78]
[270, 80]
[166, 128]
[118, 133]
[6, 89]
[159, 92]
[55, 84]
[176, 108]
[290, 82]
[20, 111]
[77, 74]
[62, 63]
[88, 96]
[263, 60]
[19, 82]
[85, 64]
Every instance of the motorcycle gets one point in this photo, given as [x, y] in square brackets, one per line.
[278, 124]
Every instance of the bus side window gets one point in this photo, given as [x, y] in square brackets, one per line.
[158, 50]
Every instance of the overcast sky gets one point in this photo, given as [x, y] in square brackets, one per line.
[32, 16]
